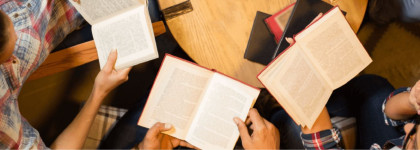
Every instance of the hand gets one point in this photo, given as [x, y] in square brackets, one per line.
[108, 78]
[414, 97]
[156, 140]
[264, 136]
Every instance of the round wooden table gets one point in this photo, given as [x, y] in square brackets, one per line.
[215, 34]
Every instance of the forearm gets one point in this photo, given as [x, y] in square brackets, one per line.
[398, 107]
[322, 134]
[75, 134]
[322, 123]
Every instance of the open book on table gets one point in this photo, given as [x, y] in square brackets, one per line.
[325, 56]
[121, 25]
[199, 103]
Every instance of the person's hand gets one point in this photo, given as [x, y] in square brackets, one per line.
[154, 139]
[108, 78]
[414, 97]
[264, 136]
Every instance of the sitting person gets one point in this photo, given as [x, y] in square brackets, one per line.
[26, 38]
[28, 32]
[383, 119]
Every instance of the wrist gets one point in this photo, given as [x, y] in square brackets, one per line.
[97, 93]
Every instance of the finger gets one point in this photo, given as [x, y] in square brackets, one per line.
[186, 144]
[252, 127]
[416, 92]
[248, 121]
[315, 19]
[125, 72]
[156, 129]
[112, 58]
[256, 119]
[268, 124]
[243, 130]
[290, 40]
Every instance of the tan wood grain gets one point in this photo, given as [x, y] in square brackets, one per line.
[215, 34]
[76, 56]
[355, 11]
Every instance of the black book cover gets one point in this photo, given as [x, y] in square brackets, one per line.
[303, 14]
[261, 42]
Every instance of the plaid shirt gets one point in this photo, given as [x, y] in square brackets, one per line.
[40, 25]
[330, 139]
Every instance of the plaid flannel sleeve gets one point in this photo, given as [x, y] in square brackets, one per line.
[326, 139]
[40, 25]
[389, 121]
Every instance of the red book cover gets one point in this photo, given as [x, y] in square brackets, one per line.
[277, 22]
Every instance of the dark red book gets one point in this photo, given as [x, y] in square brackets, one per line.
[277, 22]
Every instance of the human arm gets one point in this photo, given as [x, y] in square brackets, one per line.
[403, 103]
[322, 134]
[107, 79]
[155, 139]
[264, 136]
[322, 123]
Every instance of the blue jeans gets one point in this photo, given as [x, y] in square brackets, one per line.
[362, 98]
[410, 10]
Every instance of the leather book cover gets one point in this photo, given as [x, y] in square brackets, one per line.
[277, 22]
[261, 42]
[304, 12]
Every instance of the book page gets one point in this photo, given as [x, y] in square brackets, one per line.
[213, 126]
[297, 86]
[175, 95]
[95, 11]
[267, 74]
[129, 34]
[334, 48]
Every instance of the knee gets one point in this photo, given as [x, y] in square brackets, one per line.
[410, 11]
[373, 88]
[374, 81]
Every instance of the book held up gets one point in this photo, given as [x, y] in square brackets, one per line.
[199, 103]
[325, 55]
[121, 25]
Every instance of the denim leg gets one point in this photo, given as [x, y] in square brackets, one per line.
[370, 118]
[289, 130]
[362, 98]
[346, 100]
[410, 10]
[126, 133]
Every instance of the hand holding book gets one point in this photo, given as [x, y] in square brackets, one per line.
[264, 136]
[199, 103]
[108, 78]
[155, 139]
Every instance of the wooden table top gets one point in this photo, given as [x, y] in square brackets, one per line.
[215, 34]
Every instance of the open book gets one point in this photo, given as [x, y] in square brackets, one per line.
[199, 103]
[326, 55]
[121, 25]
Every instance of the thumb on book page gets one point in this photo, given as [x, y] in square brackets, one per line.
[243, 130]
